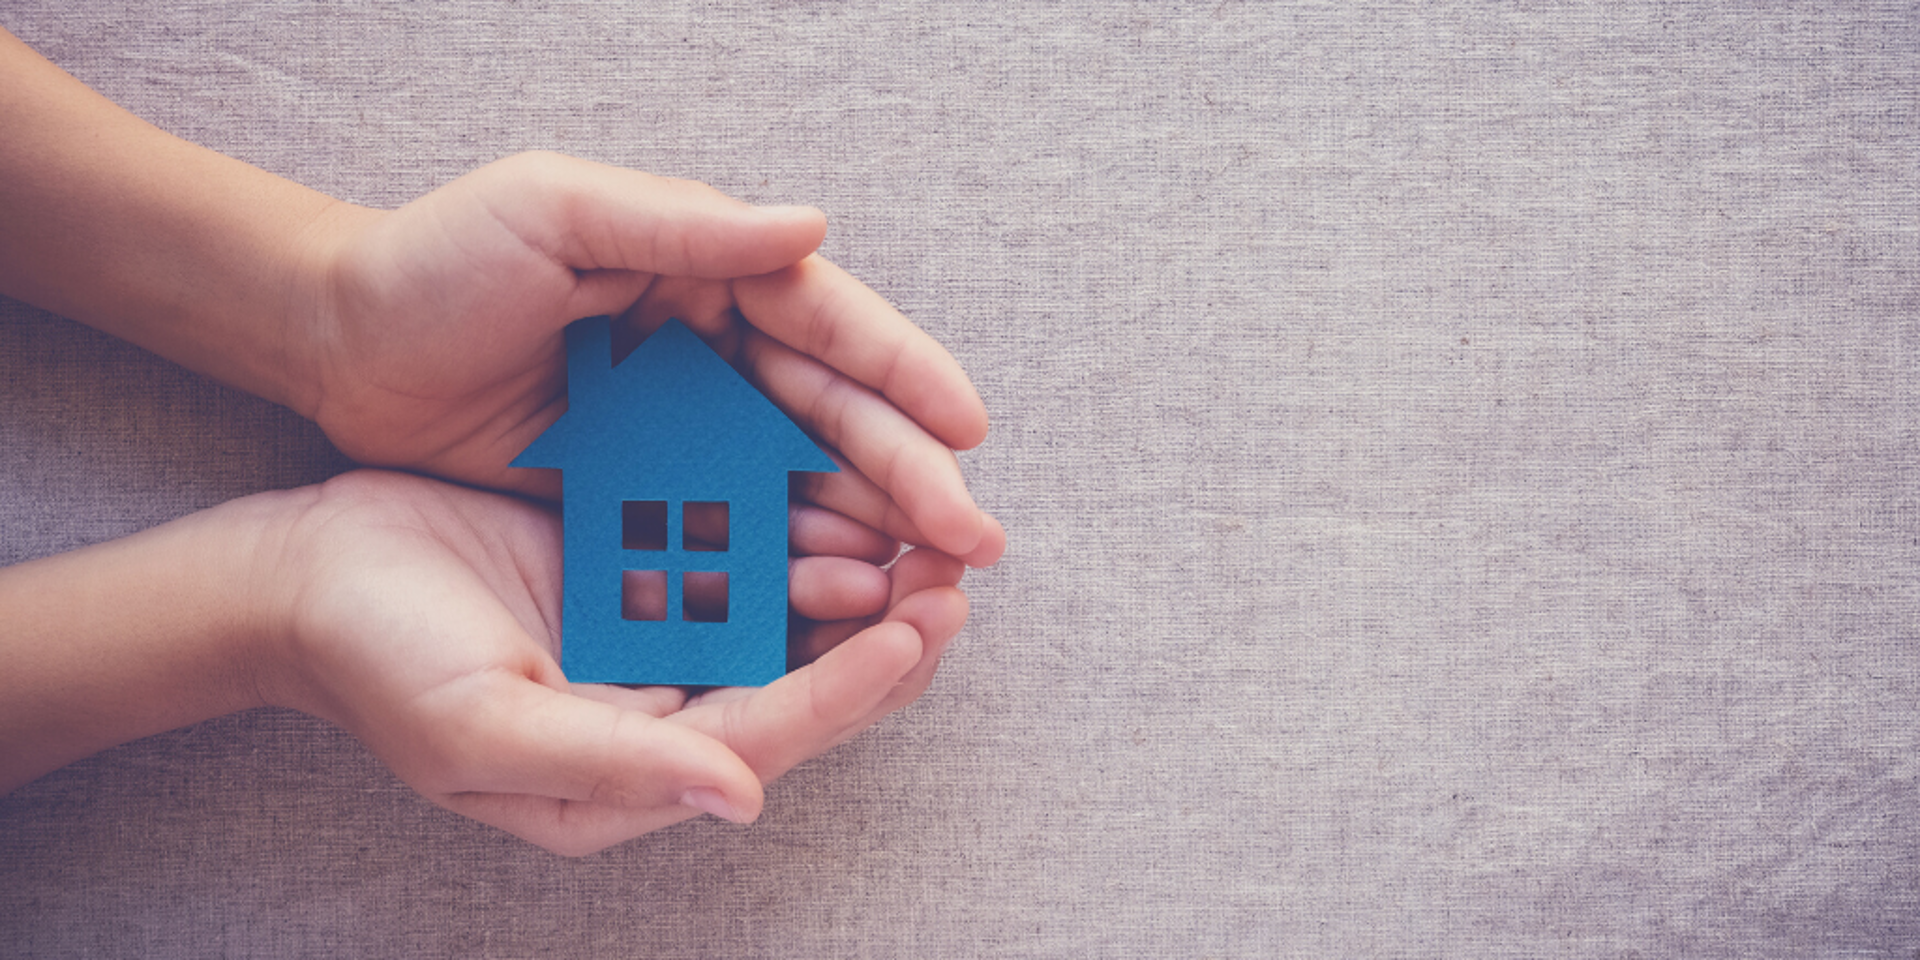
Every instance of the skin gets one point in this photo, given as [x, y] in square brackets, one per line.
[428, 339]
[421, 617]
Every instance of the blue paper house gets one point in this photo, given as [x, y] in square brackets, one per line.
[674, 479]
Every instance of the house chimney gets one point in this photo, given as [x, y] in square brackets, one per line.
[589, 361]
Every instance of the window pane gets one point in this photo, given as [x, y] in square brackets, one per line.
[705, 599]
[643, 594]
[643, 524]
[706, 526]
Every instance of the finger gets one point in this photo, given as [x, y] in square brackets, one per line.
[916, 571]
[836, 588]
[818, 309]
[799, 716]
[597, 292]
[925, 595]
[993, 544]
[590, 216]
[940, 609]
[509, 735]
[809, 641]
[812, 531]
[850, 494]
[941, 612]
[916, 470]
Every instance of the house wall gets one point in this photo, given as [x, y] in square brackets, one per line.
[748, 649]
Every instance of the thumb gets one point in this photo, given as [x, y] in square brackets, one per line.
[576, 775]
[591, 216]
[814, 708]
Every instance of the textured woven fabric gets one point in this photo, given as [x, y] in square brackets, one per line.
[1462, 468]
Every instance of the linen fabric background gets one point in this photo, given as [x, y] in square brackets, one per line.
[1460, 465]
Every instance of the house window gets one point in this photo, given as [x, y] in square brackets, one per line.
[704, 528]
[643, 524]
[704, 596]
[643, 594]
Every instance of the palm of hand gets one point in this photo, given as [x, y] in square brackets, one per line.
[425, 623]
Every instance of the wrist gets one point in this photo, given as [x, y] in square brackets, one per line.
[310, 320]
[270, 536]
[129, 638]
[111, 221]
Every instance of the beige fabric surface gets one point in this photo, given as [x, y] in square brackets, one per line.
[1461, 465]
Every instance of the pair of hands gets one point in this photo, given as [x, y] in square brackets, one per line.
[421, 616]
[429, 339]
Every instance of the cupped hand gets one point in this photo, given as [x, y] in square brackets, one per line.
[432, 334]
[422, 617]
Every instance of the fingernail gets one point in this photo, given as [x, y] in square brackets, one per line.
[709, 800]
